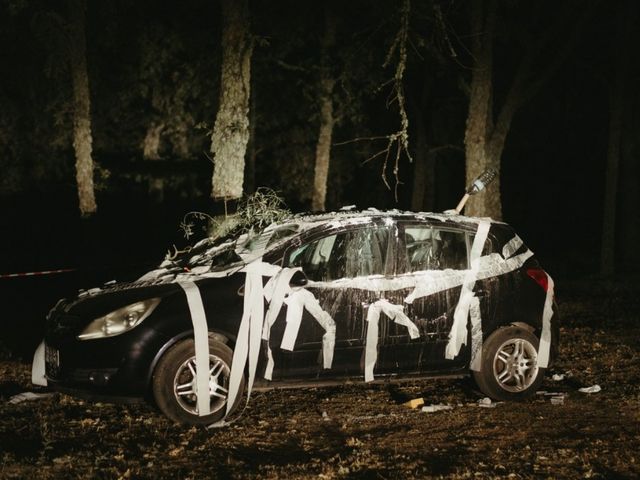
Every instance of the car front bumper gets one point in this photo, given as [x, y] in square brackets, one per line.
[111, 367]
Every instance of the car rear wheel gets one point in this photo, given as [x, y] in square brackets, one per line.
[174, 383]
[509, 366]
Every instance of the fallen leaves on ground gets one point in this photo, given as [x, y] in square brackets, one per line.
[364, 431]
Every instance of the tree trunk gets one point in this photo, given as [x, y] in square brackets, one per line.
[327, 121]
[423, 194]
[151, 142]
[151, 151]
[480, 117]
[82, 139]
[628, 230]
[618, 99]
[419, 182]
[323, 147]
[250, 167]
[485, 140]
[607, 258]
[231, 128]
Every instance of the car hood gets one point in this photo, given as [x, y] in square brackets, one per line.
[97, 302]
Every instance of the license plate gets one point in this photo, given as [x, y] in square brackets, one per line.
[51, 357]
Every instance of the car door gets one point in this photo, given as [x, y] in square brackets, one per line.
[337, 264]
[433, 259]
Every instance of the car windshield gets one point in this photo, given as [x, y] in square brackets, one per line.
[270, 239]
[224, 252]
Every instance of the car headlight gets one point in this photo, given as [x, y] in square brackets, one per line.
[119, 321]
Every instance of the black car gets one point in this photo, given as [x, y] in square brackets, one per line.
[312, 300]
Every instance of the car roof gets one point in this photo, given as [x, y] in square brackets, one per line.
[307, 221]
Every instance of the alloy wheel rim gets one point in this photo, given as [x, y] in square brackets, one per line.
[515, 365]
[184, 385]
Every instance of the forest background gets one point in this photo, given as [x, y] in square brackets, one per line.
[118, 117]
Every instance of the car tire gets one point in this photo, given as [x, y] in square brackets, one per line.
[174, 383]
[509, 365]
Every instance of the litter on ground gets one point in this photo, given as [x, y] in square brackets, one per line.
[591, 389]
[414, 403]
[28, 396]
[487, 403]
[436, 408]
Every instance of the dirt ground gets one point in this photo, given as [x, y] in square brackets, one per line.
[363, 431]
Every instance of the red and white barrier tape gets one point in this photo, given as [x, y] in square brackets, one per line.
[34, 274]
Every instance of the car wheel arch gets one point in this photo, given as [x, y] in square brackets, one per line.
[524, 325]
[537, 331]
[222, 337]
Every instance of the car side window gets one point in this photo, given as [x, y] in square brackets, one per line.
[429, 248]
[488, 244]
[353, 253]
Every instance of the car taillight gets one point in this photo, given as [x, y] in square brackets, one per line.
[540, 276]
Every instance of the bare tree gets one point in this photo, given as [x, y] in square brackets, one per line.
[487, 124]
[65, 38]
[422, 193]
[617, 112]
[327, 119]
[398, 141]
[231, 129]
[82, 139]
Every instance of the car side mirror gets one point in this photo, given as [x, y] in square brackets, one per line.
[299, 279]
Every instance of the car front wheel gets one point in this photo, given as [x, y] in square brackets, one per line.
[509, 366]
[174, 383]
